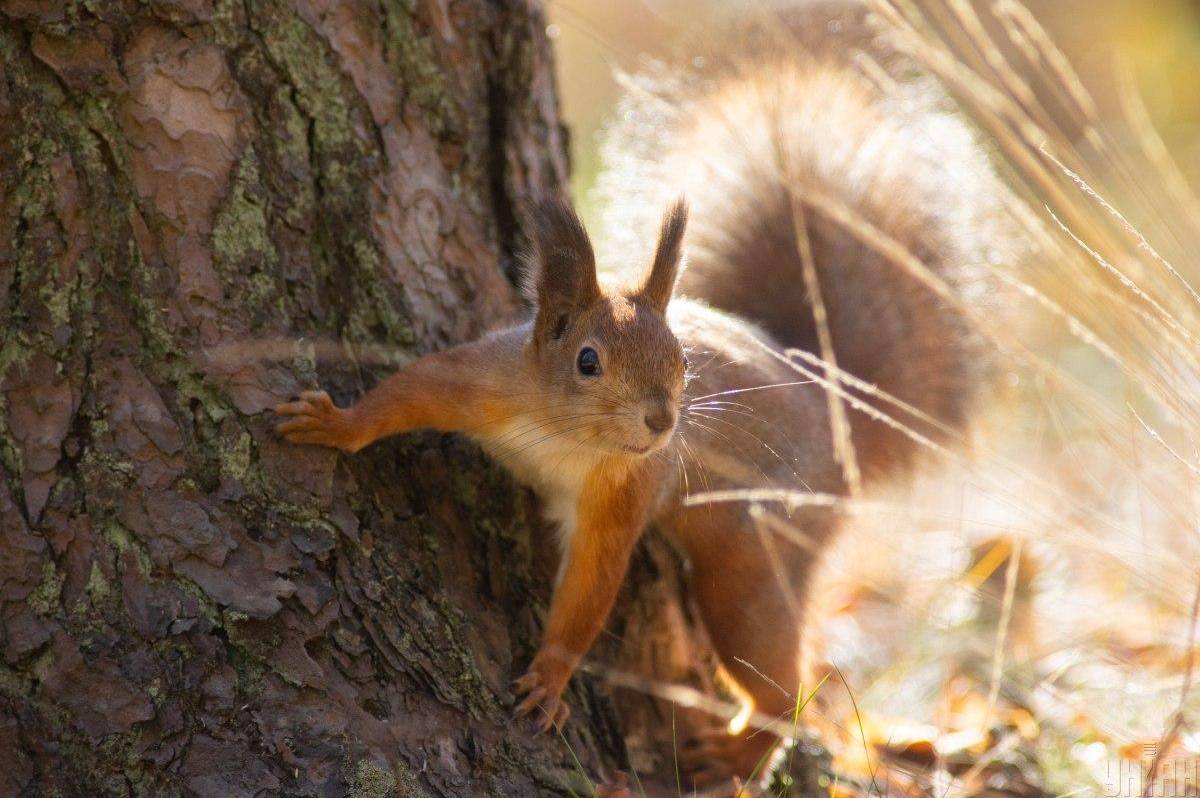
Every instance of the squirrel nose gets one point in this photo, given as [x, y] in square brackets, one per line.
[660, 420]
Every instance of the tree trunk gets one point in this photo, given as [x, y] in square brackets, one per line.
[206, 207]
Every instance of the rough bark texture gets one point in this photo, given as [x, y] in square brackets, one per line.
[188, 606]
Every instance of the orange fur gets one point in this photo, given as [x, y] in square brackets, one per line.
[587, 403]
[582, 442]
[613, 509]
[445, 391]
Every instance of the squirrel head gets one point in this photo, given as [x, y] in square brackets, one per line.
[607, 358]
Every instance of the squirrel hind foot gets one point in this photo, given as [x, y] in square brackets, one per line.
[718, 757]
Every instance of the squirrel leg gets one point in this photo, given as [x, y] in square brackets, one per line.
[464, 388]
[750, 593]
[611, 518]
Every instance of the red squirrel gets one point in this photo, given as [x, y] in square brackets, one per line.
[615, 401]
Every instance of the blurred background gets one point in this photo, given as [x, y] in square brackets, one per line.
[1023, 623]
[1159, 39]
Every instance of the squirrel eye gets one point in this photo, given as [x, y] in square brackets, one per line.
[588, 362]
[687, 364]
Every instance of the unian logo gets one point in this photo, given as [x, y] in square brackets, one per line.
[1175, 775]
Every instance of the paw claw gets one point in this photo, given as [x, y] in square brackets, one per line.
[319, 398]
[532, 699]
[313, 418]
[543, 697]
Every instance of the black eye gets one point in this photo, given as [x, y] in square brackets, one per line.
[588, 362]
[687, 364]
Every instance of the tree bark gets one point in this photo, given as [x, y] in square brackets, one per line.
[207, 206]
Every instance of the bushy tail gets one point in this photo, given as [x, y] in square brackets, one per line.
[810, 150]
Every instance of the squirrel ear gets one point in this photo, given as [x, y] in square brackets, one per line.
[660, 282]
[561, 278]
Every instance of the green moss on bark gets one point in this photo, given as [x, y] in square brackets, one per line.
[243, 251]
[304, 57]
[45, 600]
[372, 781]
[411, 54]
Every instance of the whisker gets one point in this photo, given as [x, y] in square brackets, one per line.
[721, 404]
[760, 441]
[575, 448]
[731, 442]
[755, 388]
[510, 453]
[529, 411]
[687, 490]
[701, 470]
[544, 422]
[702, 408]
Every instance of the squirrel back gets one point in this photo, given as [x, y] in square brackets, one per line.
[763, 146]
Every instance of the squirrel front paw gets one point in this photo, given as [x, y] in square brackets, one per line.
[542, 687]
[314, 418]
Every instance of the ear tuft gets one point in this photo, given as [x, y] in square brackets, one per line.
[660, 281]
[561, 270]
